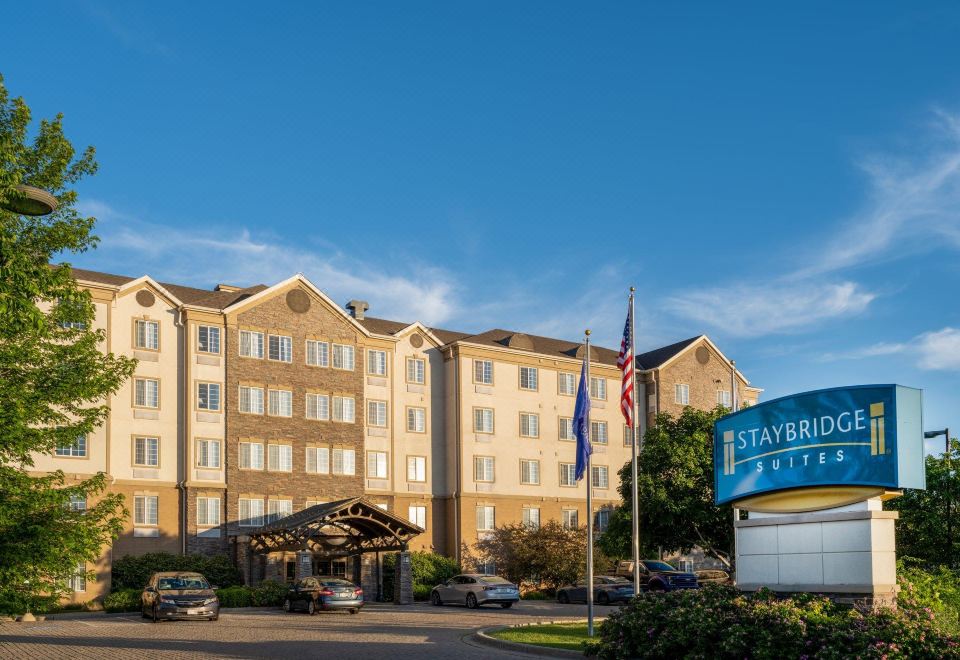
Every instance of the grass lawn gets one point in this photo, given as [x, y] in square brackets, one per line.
[557, 635]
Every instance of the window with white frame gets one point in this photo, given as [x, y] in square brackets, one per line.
[627, 436]
[530, 425]
[277, 509]
[208, 396]
[570, 518]
[601, 520]
[281, 403]
[681, 393]
[601, 474]
[251, 400]
[280, 458]
[318, 460]
[208, 453]
[598, 433]
[251, 455]
[77, 503]
[531, 517]
[416, 370]
[530, 472]
[344, 409]
[598, 388]
[343, 357]
[147, 335]
[280, 348]
[76, 449]
[529, 378]
[651, 403]
[250, 512]
[483, 420]
[251, 344]
[376, 362]
[416, 420]
[486, 518]
[318, 406]
[146, 392]
[208, 339]
[416, 468]
[377, 464]
[344, 461]
[146, 451]
[483, 372]
[145, 509]
[483, 469]
[567, 383]
[723, 397]
[566, 429]
[487, 567]
[208, 511]
[568, 474]
[78, 581]
[318, 353]
[376, 413]
[417, 515]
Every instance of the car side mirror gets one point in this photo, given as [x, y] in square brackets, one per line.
[150, 590]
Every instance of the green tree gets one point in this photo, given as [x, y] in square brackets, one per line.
[675, 485]
[54, 380]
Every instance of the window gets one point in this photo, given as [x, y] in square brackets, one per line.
[318, 460]
[531, 517]
[318, 406]
[344, 461]
[251, 345]
[77, 503]
[208, 453]
[416, 420]
[376, 413]
[145, 510]
[486, 518]
[78, 581]
[343, 357]
[280, 458]
[570, 519]
[208, 511]
[566, 429]
[627, 436]
[377, 465]
[483, 372]
[568, 474]
[251, 512]
[483, 420]
[147, 335]
[251, 400]
[567, 384]
[681, 393]
[208, 396]
[528, 378]
[208, 339]
[487, 567]
[146, 393]
[251, 455]
[416, 370]
[530, 472]
[376, 362]
[600, 476]
[723, 397]
[601, 519]
[598, 388]
[281, 403]
[529, 425]
[146, 451]
[277, 509]
[77, 449]
[483, 468]
[416, 468]
[310, 503]
[598, 432]
[318, 353]
[344, 409]
[651, 403]
[280, 348]
[417, 515]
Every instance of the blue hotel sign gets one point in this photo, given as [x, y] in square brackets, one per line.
[867, 435]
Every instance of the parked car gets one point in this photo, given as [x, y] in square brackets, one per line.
[323, 592]
[474, 590]
[179, 595]
[656, 575]
[607, 589]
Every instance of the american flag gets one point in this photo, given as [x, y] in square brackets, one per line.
[625, 364]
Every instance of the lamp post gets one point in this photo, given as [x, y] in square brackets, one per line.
[28, 200]
[946, 445]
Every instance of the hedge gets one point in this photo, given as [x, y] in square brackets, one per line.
[428, 570]
[123, 600]
[133, 572]
[235, 597]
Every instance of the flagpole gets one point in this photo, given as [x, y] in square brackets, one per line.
[589, 497]
[734, 406]
[635, 449]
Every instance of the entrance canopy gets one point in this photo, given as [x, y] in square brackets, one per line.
[343, 528]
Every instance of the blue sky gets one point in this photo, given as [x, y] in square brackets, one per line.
[785, 179]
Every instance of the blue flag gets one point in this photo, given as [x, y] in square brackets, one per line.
[581, 423]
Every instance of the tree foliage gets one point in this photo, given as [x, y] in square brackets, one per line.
[54, 380]
[675, 486]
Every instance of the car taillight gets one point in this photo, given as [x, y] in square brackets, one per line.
[357, 591]
[326, 592]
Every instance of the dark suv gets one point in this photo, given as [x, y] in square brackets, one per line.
[179, 595]
[656, 575]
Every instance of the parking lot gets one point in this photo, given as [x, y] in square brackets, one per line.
[384, 631]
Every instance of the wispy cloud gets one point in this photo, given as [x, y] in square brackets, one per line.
[128, 35]
[932, 351]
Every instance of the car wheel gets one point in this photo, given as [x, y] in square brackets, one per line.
[656, 587]
[156, 615]
[286, 605]
[506, 606]
[435, 598]
[563, 598]
[143, 611]
[312, 607]
[215, 617]
[603, 598]
[472, 602]
[353, 610]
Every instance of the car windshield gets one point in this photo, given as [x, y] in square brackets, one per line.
[658, 566]
[493, 579]
[182, 582]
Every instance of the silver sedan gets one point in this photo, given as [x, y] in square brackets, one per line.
[474, 590]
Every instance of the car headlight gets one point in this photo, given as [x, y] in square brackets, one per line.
[210, 601]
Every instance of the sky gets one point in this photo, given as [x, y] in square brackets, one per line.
[784, 178]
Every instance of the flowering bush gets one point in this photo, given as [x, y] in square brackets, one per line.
[719, 621]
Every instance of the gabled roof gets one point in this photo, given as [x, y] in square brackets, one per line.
[656, 357]
[543, 345]
[386, 327]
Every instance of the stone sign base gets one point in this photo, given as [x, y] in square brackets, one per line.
[846, 553]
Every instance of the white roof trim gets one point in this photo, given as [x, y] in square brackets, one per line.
[146, 279]
[714, 347]
[417, 325]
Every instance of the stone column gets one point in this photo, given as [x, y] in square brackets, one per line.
[304, 564]
[367, 576]
[403, 580]
[243, 559]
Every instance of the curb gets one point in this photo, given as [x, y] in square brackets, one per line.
[482, 637]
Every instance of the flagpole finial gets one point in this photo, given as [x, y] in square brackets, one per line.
[586, 332]
[632, 289]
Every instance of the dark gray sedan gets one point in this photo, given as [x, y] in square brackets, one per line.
[607, 589]
[179, 595]
[474, 590]
[325, 592]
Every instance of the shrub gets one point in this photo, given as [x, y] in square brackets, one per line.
[936, 591]
[535, 595]
[269, 593]
[235, 597]
[133, 572]
[124, 600]
[428, 570]
[422, 591]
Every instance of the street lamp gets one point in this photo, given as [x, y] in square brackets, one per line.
[946, 437]
[28, 200]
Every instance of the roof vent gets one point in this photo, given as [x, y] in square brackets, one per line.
[357, 308]
[521, 341]
[229, 288]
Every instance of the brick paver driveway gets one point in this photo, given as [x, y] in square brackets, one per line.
[382, 632]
